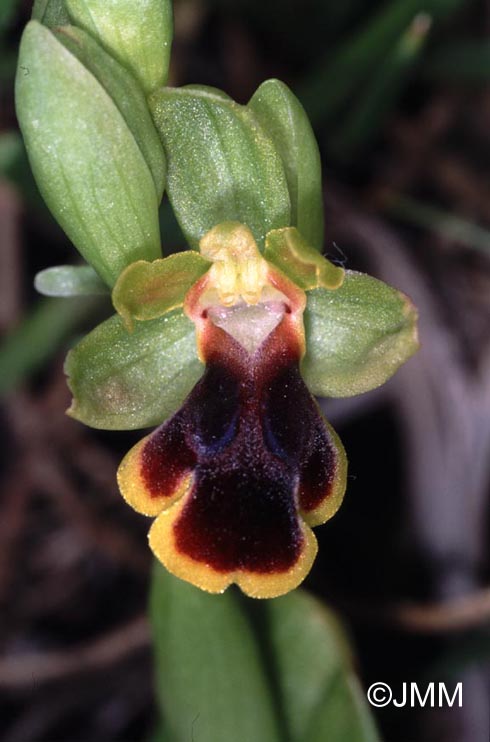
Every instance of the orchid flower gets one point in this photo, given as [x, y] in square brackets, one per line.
[224, 345]
[243, 469]
[246, 464]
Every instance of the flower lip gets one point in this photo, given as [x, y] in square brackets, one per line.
[237, 476]
[241, 472]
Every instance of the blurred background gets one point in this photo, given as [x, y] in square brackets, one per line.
[398, 93]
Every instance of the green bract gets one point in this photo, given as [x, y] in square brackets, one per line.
[125, 92]
[86, 161]
[69, 280]
[222, 166]
[138, 34]
[284, 118]
[148, 290]
[356, 336]
[122, 381]
[287, 250]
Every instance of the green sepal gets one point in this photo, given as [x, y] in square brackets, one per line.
[222, 166]
[86, 162]
[50, 13]
[356, 336]
[123, 381]
[288, 250]
[69, 280]
[138, 34]
[145, 291]
[125, 92]
[283, 117]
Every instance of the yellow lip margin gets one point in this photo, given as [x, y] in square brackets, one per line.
[202, 575]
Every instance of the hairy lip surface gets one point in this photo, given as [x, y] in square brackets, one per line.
[241, 472]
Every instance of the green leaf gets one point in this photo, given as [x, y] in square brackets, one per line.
[125, 92]
[225, 672]
[11, 151]
[161, 734]
[122, 381]
[221, 164]
[145, 291]
[287, 250]
[449, 225]
[8, 9]
[342, 74]
[309, 650]
[343, 714]
[39, 336]
[356, 336]
[320, 695]
[379, 94]
[69, 280]
[86, 162]
[210, 682]
[50, 13]
[138, 34]
[460, 62]
[284, 119]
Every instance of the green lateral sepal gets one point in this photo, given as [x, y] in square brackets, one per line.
[356, 336]
[123, 381]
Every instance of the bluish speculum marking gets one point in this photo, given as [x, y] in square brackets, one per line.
[248, 431]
